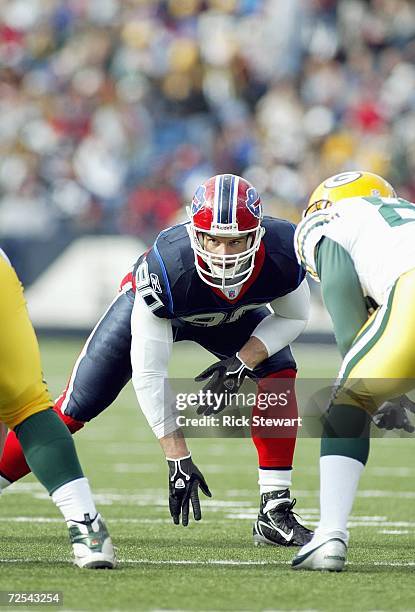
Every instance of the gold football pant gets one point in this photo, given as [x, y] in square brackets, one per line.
[22, 389]
[380, 364]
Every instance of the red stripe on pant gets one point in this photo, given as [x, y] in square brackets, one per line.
[13, 464]
[276, 452]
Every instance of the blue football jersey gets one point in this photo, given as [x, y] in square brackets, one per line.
[167, 279]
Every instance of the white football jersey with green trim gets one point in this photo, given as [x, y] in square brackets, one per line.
[378, 234]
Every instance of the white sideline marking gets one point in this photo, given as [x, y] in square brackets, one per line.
[233, 562]
[143, 468]
[395, 472]
[126, 467]
[391, 494]
[159, 496]
[46, 519]
[135, 468]
[132, 448]
[147, 448]
[312, 521]
[356, 521]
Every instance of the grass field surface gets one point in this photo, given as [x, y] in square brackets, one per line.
[211, 565]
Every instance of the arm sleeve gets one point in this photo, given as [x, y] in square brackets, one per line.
[151, 347]
[341, 291]
[288, 320]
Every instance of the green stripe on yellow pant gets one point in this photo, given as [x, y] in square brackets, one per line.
[383, 366]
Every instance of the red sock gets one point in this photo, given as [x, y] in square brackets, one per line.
[276, 452]
[13, 464]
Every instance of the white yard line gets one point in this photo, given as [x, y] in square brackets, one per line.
[212, 562]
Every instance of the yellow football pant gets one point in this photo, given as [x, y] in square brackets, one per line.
[380, 364]
[22, 389]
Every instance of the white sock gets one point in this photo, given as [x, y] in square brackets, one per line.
[4, 483]
[339, 478]
[273, 480]
[74, 500]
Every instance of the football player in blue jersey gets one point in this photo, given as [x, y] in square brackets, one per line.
[228, 280]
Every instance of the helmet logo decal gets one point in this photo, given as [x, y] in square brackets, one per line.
[253, 202]
[199, 199]
[342, 179]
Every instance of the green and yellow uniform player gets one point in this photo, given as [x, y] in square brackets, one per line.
[358, 239]
[25, 407]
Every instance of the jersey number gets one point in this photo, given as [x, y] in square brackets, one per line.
[395, 214]
[211, 319]
[145, 289]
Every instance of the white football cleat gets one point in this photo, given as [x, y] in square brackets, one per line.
[91, 543]
[329, 556]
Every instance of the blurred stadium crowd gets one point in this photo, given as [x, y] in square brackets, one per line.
[112, 111]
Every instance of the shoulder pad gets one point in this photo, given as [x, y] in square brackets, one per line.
[307, 235]
[279, 248]
[159, 271]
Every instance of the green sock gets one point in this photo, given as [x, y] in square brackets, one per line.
[346, 432]
[49, 449]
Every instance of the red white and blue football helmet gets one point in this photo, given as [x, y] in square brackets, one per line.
[228, 206]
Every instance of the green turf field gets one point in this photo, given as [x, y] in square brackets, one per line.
[211, 565]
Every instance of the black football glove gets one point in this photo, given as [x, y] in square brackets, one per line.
[184, 482]
[395, 414]
[226, 376]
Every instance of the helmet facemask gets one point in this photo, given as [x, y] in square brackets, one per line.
[315, 206]
[225, 271]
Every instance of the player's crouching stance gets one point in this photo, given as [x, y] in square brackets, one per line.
[358, 239]
[25, 407]
[211, 281]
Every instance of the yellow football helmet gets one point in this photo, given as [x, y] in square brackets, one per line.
[348, 185]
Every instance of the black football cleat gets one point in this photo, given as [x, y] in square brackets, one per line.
[276, 524]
